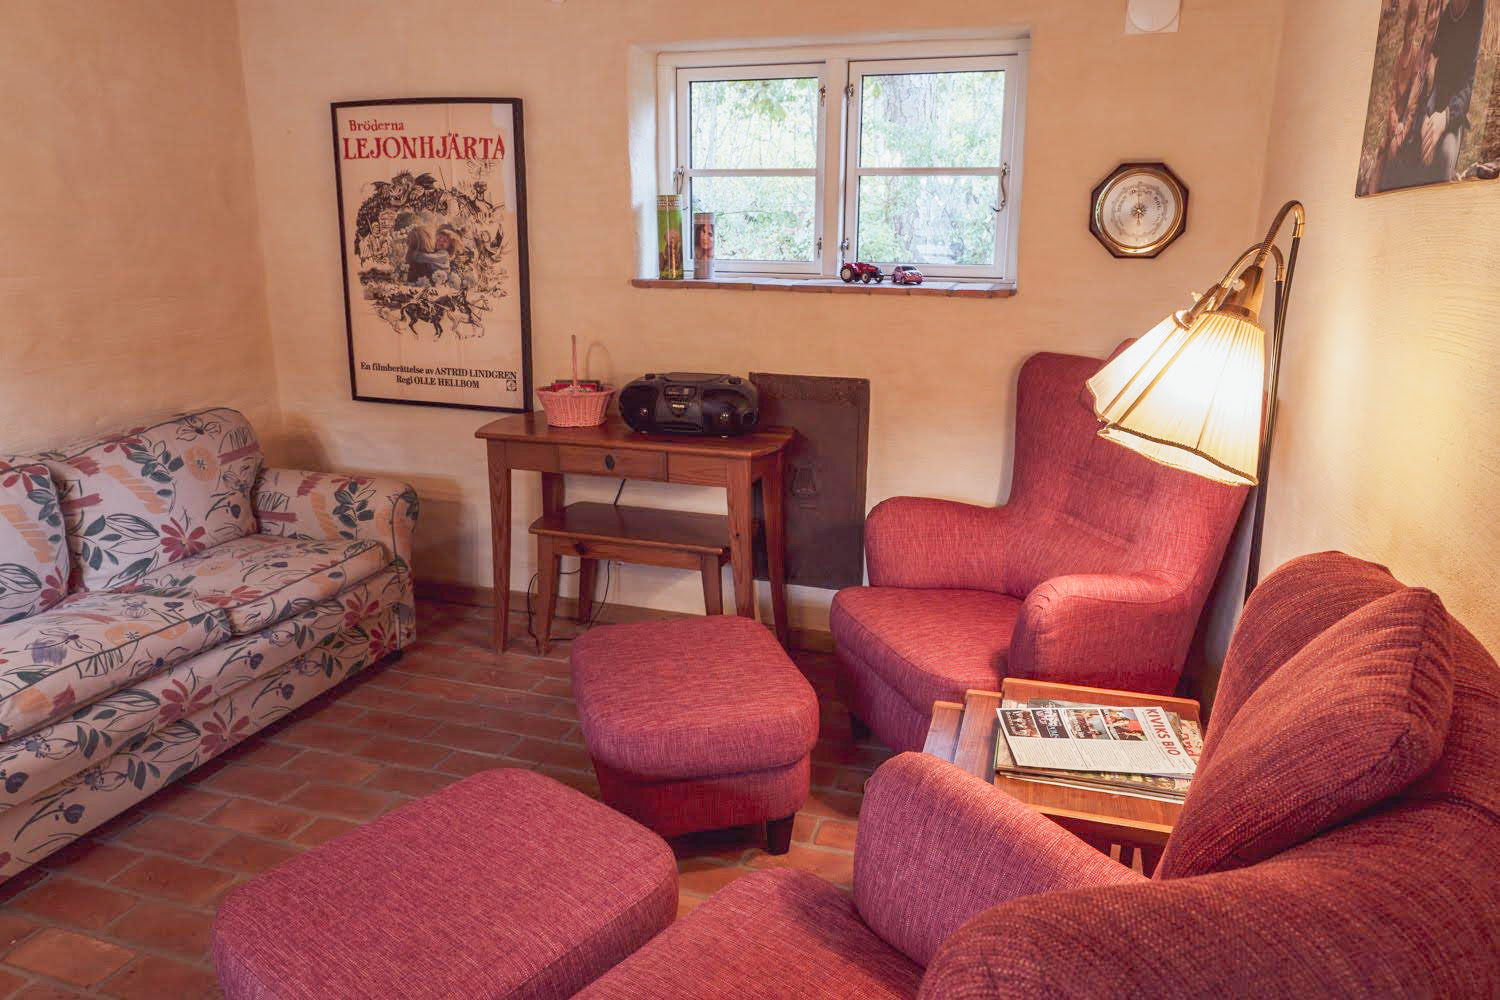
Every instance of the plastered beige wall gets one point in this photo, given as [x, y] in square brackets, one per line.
[131, 281]
[943, 370]
[1385, 446]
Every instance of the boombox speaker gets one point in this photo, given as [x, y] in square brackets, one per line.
[691, 403]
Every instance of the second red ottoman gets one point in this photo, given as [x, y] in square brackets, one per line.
[504, 885]
[696, 724]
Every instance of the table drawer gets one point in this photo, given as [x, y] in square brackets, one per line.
[624, 463]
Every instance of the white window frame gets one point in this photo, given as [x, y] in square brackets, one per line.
[787, 71]
[1000, 172]
[833, 224]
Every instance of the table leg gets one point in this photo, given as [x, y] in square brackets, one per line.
[553, 494]
[773, 500]
[548, 562]
[553, 498]
[586, 567]
[713, 585]
[499, 472]
[741, 533]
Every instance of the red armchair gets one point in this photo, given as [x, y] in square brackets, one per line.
[1095, 572]
[1341, 839]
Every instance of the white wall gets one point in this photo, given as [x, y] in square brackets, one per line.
[131, 281]
[1391, 377]
[943, 370]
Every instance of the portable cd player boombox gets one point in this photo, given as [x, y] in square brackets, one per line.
[691, 403]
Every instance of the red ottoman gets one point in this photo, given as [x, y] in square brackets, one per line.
[506, 884]
[696, 724]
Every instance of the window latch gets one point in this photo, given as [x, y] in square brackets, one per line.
[677, 176]
[822, 94]
[1004, 188]
[849, 91]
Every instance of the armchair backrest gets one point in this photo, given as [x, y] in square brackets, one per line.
[1092, 506]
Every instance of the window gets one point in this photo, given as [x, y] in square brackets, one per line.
[753, 146]
[810, 158]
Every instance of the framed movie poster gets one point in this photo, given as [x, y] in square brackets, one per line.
[432, 228]
[1434, 113]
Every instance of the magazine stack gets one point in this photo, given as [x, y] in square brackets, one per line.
[1145, 751]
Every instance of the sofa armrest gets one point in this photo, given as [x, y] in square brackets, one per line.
[297, 504]
[924, 543]
[937, 845]
[1127, 631]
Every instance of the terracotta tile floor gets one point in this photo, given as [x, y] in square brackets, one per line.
[125, 912]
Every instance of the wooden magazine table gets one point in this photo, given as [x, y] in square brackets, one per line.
[525, 441]
[1133, 829]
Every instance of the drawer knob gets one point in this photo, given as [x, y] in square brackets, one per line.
[609, 461]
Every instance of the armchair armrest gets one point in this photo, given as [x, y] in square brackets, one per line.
[1127, 631]
[937, 846]
[297, 504]
[923, 543]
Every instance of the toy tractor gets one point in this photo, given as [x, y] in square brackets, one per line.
[860, 271]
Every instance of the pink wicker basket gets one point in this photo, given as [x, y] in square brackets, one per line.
[576, 409]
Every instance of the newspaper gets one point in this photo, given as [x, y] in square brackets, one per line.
[1187, 730]
[1145, 786]
[1138, 740]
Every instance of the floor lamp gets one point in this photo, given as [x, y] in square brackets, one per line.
[1198, 392]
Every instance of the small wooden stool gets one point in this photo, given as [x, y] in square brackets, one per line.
[651, 537]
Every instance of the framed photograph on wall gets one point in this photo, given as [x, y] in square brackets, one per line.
[1434, 112]
[432, 231]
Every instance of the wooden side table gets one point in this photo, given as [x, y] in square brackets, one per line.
[1136, 828]
[738, 464]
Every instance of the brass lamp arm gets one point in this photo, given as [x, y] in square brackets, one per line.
[1298, 214]
[1257, 255]
[1253, 257]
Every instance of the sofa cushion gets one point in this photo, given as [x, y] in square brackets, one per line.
[33, 545]
[259, 580]
[691, 698]
[782, 934]
[1349, 721]
[90, 645]
[929, 645]
[154, 495]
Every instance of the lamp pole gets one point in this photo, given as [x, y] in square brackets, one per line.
[1284, 274]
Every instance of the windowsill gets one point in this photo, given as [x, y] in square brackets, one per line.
[763, 283]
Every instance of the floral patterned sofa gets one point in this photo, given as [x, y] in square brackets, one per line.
[162, 596]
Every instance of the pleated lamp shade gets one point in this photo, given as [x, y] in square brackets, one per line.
[1189, 397]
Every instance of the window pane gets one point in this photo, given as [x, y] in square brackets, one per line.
[754, 124]
[932, 119]
[917, 219]
[759, 218]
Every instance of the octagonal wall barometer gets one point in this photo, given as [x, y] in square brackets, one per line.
[1139, 209]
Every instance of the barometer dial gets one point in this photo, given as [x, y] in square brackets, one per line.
[1139, 210]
